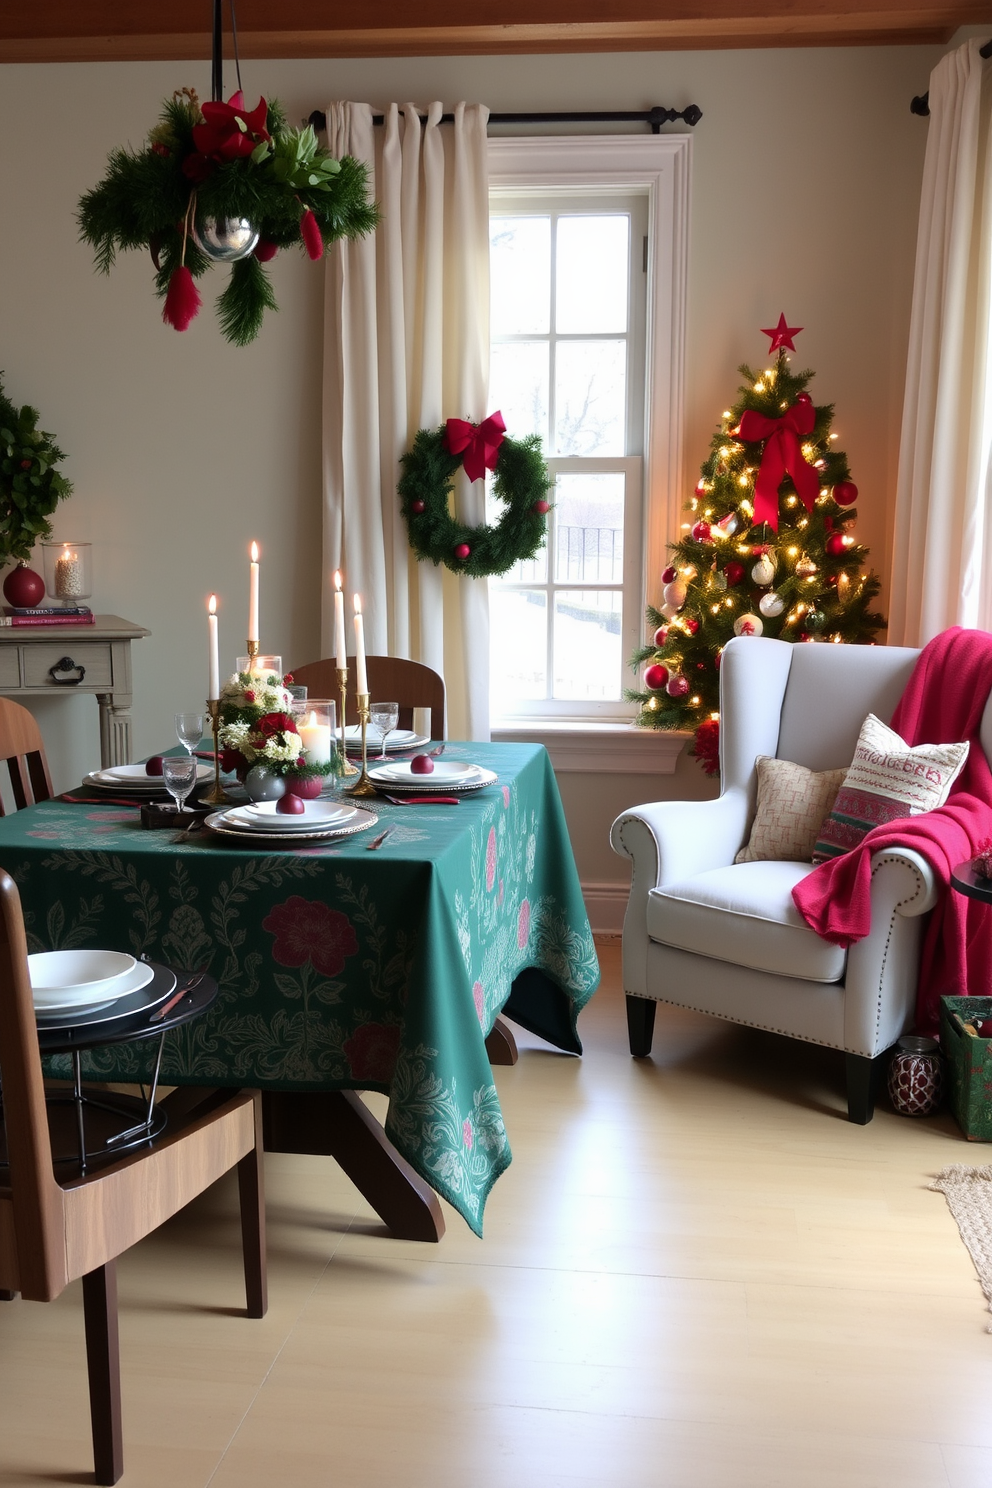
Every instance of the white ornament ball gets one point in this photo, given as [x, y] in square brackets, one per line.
[771, 605]
[669, 611]
[675, 593]
[764, 570]
[748, 625]
[729, 524]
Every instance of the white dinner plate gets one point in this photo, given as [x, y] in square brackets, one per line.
[53, 1001]
[76, 973]
[397, 739]
[447, 775]
[135, 777]
[220, 821]
[143, 999]
[263, 816]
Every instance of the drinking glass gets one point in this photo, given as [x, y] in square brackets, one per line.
[179, 777]
[385, 716]
[189, 730]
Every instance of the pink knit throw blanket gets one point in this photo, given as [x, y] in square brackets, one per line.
[943, 704]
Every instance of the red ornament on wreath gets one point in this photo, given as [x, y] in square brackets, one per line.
[416, 507]
[462, 551]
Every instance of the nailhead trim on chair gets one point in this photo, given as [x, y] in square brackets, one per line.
[888, 939]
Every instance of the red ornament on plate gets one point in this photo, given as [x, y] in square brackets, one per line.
[734, 572]
[23, 588]
[701, 532]
[845, 493]
[655, 677]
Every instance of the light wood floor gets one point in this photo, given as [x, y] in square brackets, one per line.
[696, 1274]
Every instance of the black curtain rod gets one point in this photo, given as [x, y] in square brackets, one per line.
[653, 116]
[921, 105]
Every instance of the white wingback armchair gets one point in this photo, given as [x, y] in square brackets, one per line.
[722, 938]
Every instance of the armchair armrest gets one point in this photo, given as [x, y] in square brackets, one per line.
[668, 841]
[882, 969]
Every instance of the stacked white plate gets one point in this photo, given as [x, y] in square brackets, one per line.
[396, 741]
[82, 981]
[134, 778]
[447, 775]
[318, 819]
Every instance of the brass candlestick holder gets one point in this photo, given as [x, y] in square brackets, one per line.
[347, 768]
[252, 648]
[216, 795]
[365, 786]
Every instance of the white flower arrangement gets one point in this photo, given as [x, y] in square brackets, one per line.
[246, 691]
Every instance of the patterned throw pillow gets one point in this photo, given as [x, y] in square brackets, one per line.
[792, 803]
[887, 780]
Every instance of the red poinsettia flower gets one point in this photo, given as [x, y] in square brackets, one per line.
[228, 132]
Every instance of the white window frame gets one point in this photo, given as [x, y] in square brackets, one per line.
[658, 166]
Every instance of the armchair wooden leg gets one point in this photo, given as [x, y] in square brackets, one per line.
[103, 1362]
[251, 1190]
[863, 1078]
[640, 1025]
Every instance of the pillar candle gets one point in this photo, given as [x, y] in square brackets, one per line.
[340, 647]
[316, 740]
[213, 680]
[253, 594]
[361, 675]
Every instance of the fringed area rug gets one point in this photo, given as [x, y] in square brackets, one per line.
[968, 1192]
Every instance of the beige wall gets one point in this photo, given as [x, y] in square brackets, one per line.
[806, 177]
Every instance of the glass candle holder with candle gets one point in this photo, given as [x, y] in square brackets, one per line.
[68, 572]
[271, 666]
[316, 720]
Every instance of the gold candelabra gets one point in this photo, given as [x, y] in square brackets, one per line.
[216, 795]
[347, 768]
[365, 786]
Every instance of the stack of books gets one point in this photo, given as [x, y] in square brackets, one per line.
[55, 615]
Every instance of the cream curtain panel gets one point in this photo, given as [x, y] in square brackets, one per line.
[406, 346]
[942, 563]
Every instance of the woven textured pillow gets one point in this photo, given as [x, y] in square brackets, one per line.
[887, 780]
[792, 804]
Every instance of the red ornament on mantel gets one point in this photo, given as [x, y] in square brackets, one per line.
[23, 588]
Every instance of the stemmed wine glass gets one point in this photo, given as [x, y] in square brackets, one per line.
[179, 777]
[189, 730]
[385, 716]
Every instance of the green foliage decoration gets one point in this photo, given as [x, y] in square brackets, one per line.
[148, 199]
[520, 480]
[826, 596]
[30, 484]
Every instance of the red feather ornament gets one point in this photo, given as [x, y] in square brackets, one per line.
[310, 233]
[182, 301]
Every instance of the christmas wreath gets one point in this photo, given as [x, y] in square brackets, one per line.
[521, 481]
[30, 485]
[223, 184]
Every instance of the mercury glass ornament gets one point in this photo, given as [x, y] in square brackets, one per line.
[224, 239]
[805, 568]
[262, 785]
[764, 570]
[771, 604]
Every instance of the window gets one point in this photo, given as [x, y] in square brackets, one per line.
[582, 234]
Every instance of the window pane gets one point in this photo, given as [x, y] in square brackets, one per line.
[526, 570]
[590, 397]
[592, 263]
[520, 275]
[587, 660]
[519, 386]
[518, 627]
[589, 528]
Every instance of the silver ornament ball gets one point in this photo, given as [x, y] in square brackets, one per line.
[262, 785]
[771, 604]
[224, 239]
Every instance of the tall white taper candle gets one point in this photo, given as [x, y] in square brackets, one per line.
[213, 681]
[340, 645]
[361, 675]
[253, 594]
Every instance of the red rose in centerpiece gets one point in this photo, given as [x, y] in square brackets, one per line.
[228, 132]
[275, 723]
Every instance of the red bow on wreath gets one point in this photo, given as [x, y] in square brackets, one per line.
[783, 455]
[480, 442]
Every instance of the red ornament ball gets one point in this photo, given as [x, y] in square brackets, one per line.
[421, 764]
[678, 686]
[700, 488]
[290, 805]
[462, 551]
[734, 572]
[661, 635]
[845, 493]
[23, 588]
[541, 507]
[670, 575]
[154, 765]
[417, 507]
[835, 544]
[701, 532]
[655, 677]
[691, 625]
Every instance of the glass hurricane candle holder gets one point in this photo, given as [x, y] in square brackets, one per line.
[270, 665]
[68, 571]
[316, 720]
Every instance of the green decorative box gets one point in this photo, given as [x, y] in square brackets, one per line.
[969, 1065]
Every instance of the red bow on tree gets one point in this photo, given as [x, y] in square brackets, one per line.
[783, 455]
[480, 442]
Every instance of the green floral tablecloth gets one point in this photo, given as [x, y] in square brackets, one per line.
[340, 968]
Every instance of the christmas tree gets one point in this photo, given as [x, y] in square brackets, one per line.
[767, 549]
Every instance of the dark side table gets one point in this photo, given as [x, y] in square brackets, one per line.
[968, 881]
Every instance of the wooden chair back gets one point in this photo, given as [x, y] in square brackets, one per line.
[23, 752]
[391, 679]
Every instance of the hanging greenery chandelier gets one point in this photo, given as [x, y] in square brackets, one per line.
[219, 183]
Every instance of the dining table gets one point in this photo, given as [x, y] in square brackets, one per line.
[341, 969]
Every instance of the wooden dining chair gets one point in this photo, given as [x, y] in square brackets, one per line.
[57, 1225]
[23, 752]
[391, 679]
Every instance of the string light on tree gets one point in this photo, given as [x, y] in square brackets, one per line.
[775, 483]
